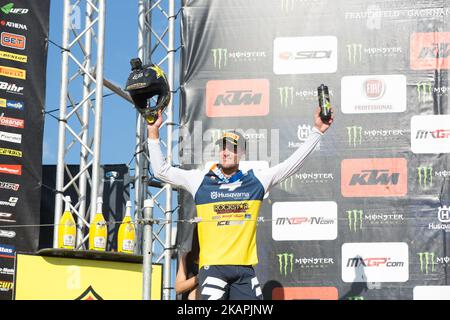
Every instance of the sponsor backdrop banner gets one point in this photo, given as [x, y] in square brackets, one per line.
[23, 56]
[367, 217]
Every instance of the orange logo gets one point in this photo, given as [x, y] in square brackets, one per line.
[305, 293]
[11, 169]
[430, 50]
[13, 72]
[377, 177]
[12, 40]
[237, 98]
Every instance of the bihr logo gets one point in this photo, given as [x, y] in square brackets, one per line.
[430, 134]
[11, 88]
[305, 55]
[237, 98]
[376, 177]
[376, 94]
[375, 262]
[12, 40]
[306, 220]
[430, 50]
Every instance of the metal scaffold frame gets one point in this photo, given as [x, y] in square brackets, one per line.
[155, 44]
[77, 58]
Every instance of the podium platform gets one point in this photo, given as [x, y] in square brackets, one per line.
[62, 274]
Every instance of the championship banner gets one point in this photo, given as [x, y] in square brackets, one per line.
[367, 216]
[62, 278]
[24, 27]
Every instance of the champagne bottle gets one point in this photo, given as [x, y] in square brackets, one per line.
[127, 232]
[67, 231]
[98, 231]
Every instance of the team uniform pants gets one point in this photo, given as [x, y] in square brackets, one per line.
[229, 282]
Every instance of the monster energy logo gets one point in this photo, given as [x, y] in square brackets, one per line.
[425, 176]
[288, 183]
[355, 219]
[355, 298]
[427, 258]
[354, 135]
[354, 53]
[285, 260]
[286, 96]
[424, 91]
[287, 5]
[220, 56]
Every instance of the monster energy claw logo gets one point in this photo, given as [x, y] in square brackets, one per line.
[285, 260]
[354, 216]
[220, 56]
[354, 135]
[354, 52]
[287, 5]
[427, 259]
[424, 91]
[286, 96]
[425, 176]
[355, 298]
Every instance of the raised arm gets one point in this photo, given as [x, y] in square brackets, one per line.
[187, 179]
[291, 165]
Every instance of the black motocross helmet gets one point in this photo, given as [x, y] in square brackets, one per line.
[145, 82]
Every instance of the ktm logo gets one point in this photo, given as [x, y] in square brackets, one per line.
[382, 177]
[374, 177]
[430, 50]
[237, 98]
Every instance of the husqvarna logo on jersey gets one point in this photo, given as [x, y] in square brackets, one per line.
[229, 195]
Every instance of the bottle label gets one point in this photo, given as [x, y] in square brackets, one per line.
[100, 242]
[68, 240]
[128, 245]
